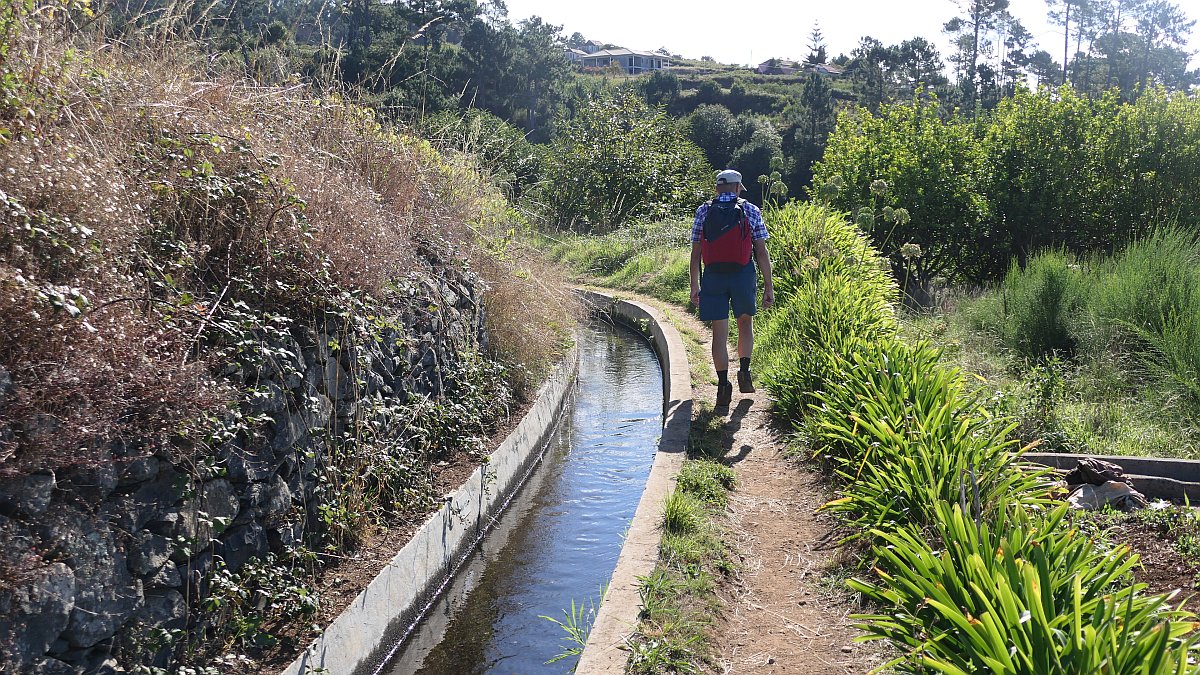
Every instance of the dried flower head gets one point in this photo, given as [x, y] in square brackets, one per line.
[910, 251]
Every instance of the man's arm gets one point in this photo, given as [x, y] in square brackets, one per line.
[695, 273]
[763, 258]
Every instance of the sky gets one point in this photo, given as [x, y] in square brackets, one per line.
[750, 32]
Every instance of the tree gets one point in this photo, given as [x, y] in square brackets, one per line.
[868, 70]
[760, 144]
[1161, 25]
[917, 63]
[816, 46]
[1061, 14]
[619, 160]
[908, 156]
[491, 77]
[708, 92]
[430, 19]
[577, 40]
[542, 69]
[970, 36]
[660, 87]
[713, 128]
[809, 122]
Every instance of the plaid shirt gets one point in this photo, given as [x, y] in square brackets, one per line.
[758, 229]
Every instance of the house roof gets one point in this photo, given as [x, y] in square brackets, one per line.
[621, 51]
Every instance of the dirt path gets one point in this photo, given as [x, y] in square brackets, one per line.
[783, 614]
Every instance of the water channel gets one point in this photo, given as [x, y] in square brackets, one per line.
[559, 539]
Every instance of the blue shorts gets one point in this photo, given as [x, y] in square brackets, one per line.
[720, 290]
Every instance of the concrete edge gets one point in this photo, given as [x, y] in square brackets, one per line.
[1157, 478]
[617, 618]
[361, 638]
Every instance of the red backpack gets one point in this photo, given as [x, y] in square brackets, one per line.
[725, 243]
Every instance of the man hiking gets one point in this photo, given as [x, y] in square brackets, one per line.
[728, 236]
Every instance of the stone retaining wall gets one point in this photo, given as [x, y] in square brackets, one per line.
[95, 556]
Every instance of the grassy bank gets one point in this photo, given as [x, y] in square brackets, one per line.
[1095, 355]
[678, 598]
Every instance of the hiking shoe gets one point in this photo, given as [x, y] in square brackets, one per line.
[744, 384]
[724, 394]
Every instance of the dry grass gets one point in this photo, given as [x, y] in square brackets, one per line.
[143, 195]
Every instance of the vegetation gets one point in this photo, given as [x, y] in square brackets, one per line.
[416, 59]
[1089, 353]
[618, 160]
[1044, 169]
[969, 548]
[172, 236]
[973, 570]
[677, 598]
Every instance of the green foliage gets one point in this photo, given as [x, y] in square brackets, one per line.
[1040, 305]
[975, 574]
[647, 258]
[831, 290]
[683, 513]
[905, 434]
[1019, 594]
[707, 480]
[500, 148]
[618, 161]
[1141, 303]
[1045, 169]
[243, 610]
[577, 623]
[932, 168]
[710, 127]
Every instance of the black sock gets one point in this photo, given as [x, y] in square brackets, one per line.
[722, 376]
[745, 364]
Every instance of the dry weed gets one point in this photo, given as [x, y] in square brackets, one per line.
[143, 197]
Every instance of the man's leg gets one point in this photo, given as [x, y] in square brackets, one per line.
[720, 343]
[743, 301]
[720, 354]
[745, 348]
[745, 335]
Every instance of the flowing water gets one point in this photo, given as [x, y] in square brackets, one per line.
[559, 539]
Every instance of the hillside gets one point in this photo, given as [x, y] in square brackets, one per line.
[244, 328]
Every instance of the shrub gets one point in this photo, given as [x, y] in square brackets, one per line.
[1144, 301]
[1040, 302]
[832, 293]
[933, 166]
[1051, 168]
[801, 339]
[905, 435]
[618, 161]
[1021, 594]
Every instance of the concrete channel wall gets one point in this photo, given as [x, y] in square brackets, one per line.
[618, 615]
[1170, 479]
[359, 640]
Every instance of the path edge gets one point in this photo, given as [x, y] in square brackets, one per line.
[360, 638]
[617, 618]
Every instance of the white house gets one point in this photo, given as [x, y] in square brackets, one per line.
[631, 61]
